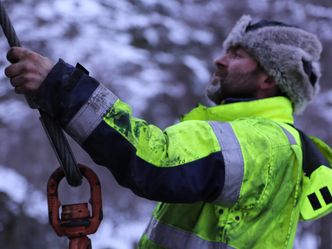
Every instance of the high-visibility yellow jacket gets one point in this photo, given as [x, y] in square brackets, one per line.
[228, 176]
[258, 205]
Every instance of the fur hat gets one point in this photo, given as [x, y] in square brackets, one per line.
[289, 54]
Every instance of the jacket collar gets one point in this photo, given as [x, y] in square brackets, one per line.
[276, 108]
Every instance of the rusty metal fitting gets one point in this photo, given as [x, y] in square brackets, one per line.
[76, 220]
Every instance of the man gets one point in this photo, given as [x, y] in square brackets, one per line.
[228, 176]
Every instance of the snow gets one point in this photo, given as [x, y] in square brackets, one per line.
[178, 33]
[202, 36]
[22, 192]
[152, 36]
[261, 5]
[14, 113]
[198, 67]
[164, 57]
[86, 8]
[319, 11]
[11, 180]
[307, 242]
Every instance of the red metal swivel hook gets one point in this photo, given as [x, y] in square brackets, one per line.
[75, 222]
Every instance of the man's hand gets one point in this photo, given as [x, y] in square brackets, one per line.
[28, 70]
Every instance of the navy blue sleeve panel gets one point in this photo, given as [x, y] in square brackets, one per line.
[68, 90]
[200, 180]
[65, 90]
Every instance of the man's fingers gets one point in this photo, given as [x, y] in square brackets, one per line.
[16, 53]
[14, 70]
[28, 70]
[18, 81]
[11, 56]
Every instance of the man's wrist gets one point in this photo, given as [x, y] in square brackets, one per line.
[47, 97]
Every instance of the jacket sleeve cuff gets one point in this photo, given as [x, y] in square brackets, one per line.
[65, 90]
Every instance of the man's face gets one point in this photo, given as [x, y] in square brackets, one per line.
[236, 76]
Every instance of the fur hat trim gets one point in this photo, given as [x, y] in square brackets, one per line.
[282, 52]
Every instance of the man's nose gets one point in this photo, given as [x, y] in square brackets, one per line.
[221, 61]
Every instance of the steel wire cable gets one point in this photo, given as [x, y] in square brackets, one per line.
[52, 128]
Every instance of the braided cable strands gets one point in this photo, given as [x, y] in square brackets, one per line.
[62, 149]
[13, 41]
[8, 28]
[53, 129]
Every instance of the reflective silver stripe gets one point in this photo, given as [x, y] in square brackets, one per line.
[91, 114]
[174, 238]
[290, 137]
[234, 163]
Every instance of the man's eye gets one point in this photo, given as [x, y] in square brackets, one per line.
[237, 55]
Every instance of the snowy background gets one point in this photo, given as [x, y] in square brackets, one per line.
[157, 56]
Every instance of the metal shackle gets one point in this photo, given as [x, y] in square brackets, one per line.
[75, 220]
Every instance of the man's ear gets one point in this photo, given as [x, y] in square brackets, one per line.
[267, 87]
[267, 82]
